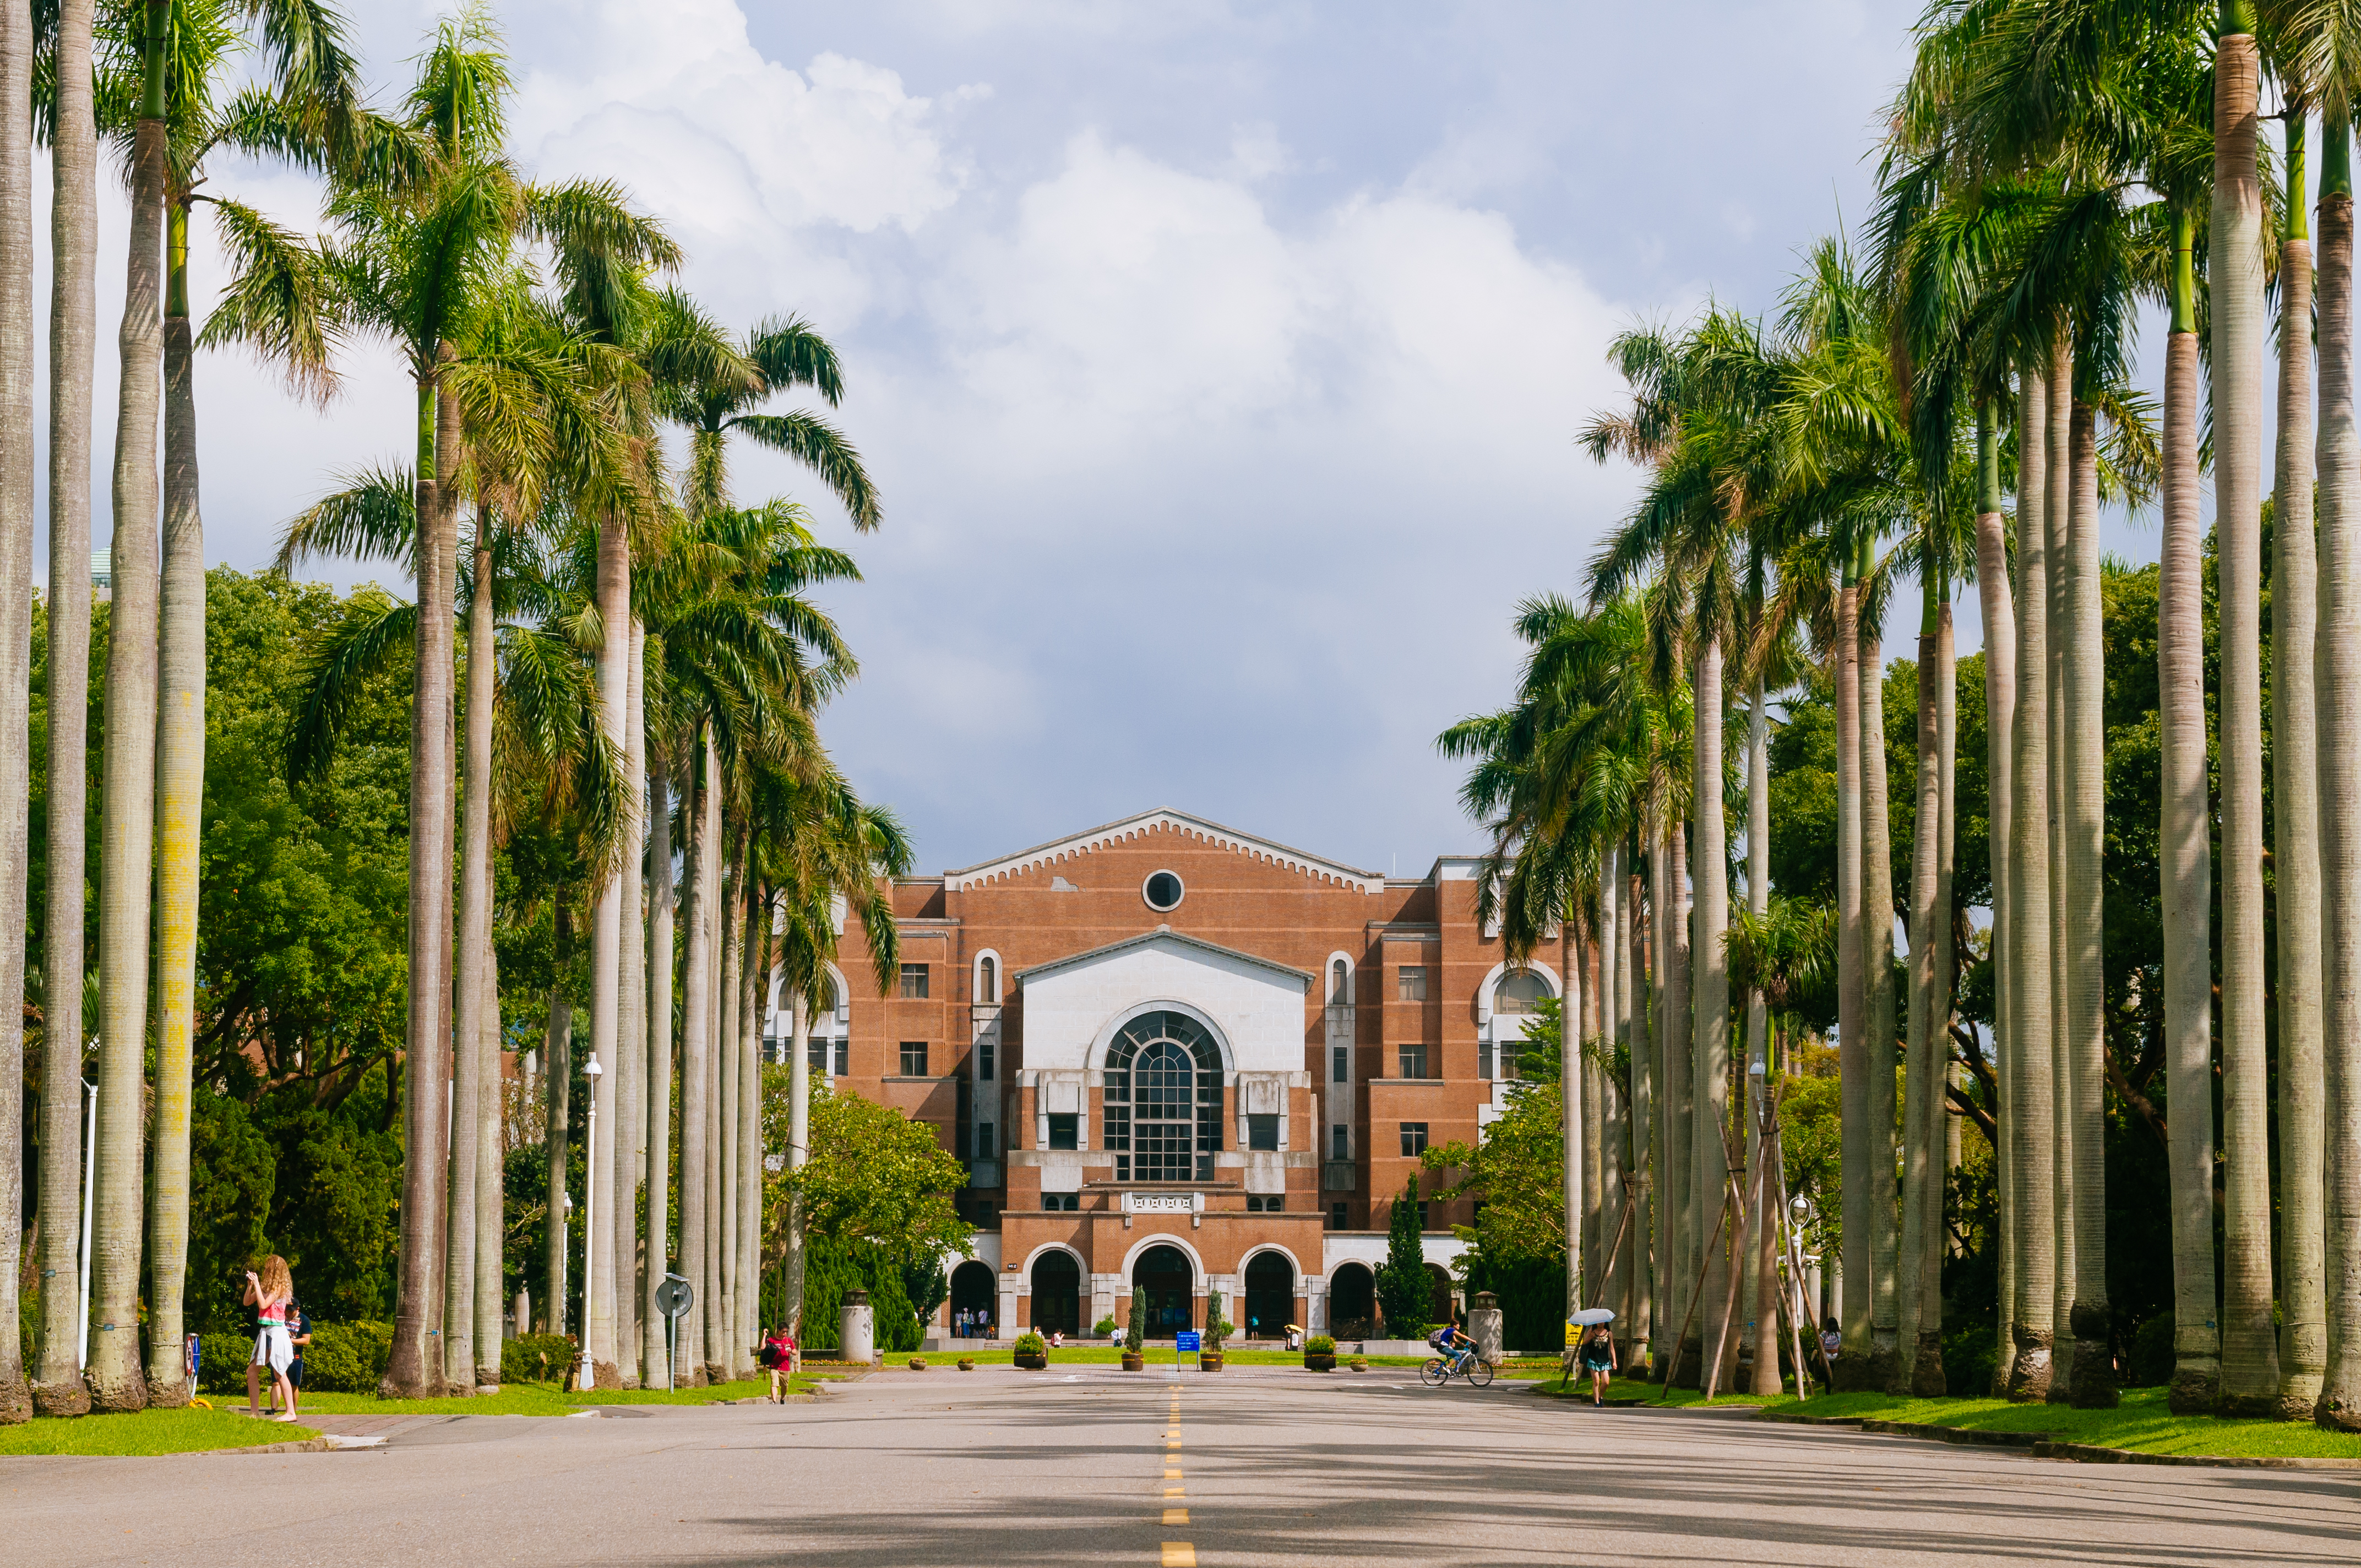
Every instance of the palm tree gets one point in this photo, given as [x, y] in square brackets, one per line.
[128, 779]
[57, 1388]
[16, 661]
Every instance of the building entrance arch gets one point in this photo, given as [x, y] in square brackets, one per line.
[974, 1299]
[1353, 1302]
[1270, 1296]
[1056, 1294]
[1165, 1273]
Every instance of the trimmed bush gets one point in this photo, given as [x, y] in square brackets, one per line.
[520, 1358]
[346, 1358]
[1320, 1345]
[221, 1361]
[1031, 1343]
[1104, 1328]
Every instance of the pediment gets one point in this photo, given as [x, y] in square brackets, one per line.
[1255, 1007]
[1165, 939]
[1144, 829]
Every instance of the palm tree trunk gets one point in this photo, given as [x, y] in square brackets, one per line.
[180, 812]
[798, 1149]
[1594, 1129]
[1758, 1048]
[714, 1334]
[1572, 1193]
[1920, 1165]
[557, 1068]
[57, 1388]
[1877, 997]
[722, 1349]
[2083, 661]
[2000, 708]
[1708, 1035]
[749, 1171]
[655, 1354]
[632, 1033]
[2060, 499]
[2338, 673]
[614, 591]
[2295, 846]
[1928, 1379]
[128, 784]
[2185, 851]
[16, 519]
[1655, 1217]
[74, 331]
[697, 1014]
[2250, 1381]
[2031, 1137]
[1853, 1044]
[468, 1029]
[491, 1177]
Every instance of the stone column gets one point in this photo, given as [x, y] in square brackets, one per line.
[1484, 1325]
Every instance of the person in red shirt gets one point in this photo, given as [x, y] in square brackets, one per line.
[779, 1355]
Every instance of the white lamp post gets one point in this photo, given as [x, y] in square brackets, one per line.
[587, 1378]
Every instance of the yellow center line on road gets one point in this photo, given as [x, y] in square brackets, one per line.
[1172, 1475]
[1175, 1553]
[1176, 1491]
[1176, 1515]
[1178, 1554]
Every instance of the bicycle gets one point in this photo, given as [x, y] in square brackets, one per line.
[1467, 1364]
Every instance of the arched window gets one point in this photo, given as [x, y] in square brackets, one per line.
[987, 980]
[1340, 984]
[1518, 992]
[1164, 1099]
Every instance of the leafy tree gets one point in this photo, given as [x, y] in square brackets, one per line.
[1405, 1292]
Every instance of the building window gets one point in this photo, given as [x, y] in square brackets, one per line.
[1340, 984]
[1413, 1061]
[1410, 983]
[983, 1060]
[1335, 1216]
[987, 1141]
[1163, 892]
[1413, 1136]
[914, 982]
[1262, 1131]
[1065, 1126]
[1340, 1142]
[1266, 1204]
[987, 981]
[816, 1056]
[843, 1057]
[914, 1058]
[1061, 1203]
[1424, 1224]
[1163, 1104]
[1519, 991]
[1484, 1058]
[1341, 1064]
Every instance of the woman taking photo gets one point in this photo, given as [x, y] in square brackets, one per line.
[271, 1294]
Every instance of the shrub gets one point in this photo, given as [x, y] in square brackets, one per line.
[1970, 1354]
[1031, 1343]
[1217, 1328]
[221, 1361]
[347, 1358]
[1320, 1345]
[1405, 1291]
[2150, 1364]
[1135, 1332]
[1104, 1328]
[521, 1358]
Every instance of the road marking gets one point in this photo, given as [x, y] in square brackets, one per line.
[1176, 1515]
[1176, 1491]
[1177, 1554]
[1172, 1475]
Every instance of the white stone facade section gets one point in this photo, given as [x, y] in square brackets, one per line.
[1253, 1007]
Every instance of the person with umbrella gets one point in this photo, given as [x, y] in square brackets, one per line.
[1597, 1352]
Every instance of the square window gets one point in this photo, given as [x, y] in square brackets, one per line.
[987, 1140]
[1484, 1060]
[983, 1061]
[1335, 1216]
[1340, 1145]
[1262, 1131]
[1413, 1061]
[1410, 983]
[843, 1057]
[1413, 1139]
[914, 982]
[816, 1057]
[1341, 1064]
[1065, 1127]
[914, 1058]
[1424, 1224]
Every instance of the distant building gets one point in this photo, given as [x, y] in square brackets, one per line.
[102, 575]
[1182, 1058]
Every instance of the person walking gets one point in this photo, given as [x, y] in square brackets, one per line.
[778, 1353]
[1832, 1345]
[1599, 1359]
[270, 1293]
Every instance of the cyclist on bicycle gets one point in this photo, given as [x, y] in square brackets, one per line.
[1452, 1345]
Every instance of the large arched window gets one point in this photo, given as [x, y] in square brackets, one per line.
[1519, 991]
[1164, 1099]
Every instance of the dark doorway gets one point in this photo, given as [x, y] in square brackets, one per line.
[1171, 1283]
[974, 1306]
[1056, 1294]
[1353, 1302]
[1438, 1295]
[1270, 1296]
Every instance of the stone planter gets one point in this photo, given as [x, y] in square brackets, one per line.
[1132, 1361]
[1028, 1362]
[1209, 1361]
[1313, 1361]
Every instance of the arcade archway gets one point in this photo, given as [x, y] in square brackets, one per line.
[1164, 1272]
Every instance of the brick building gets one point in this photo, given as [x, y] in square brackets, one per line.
[1179, 1057]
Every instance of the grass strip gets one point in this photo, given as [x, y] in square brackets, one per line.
[2141, 1423]
[141, 1433]
[536, 1399]
[1110, 1355]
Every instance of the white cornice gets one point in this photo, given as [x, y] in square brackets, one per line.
[1043, 856]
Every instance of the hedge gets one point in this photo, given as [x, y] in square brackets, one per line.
[830, 1268]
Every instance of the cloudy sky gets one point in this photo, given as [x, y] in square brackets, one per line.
[1218, 363]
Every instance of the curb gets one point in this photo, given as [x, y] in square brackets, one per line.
[2091, 1454]
[1972, 1437]
[315, 1445]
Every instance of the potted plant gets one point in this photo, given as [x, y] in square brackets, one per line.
[1136, 1332]
[1032, 1351]
[917, 1364]
[1319, 1353]
[1209, 1357]
[1106, 1328]
[1359, 1363]
[967, 1363]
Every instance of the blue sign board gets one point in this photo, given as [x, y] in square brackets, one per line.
[1187, 1341]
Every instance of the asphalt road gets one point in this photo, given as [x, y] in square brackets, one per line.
[1271, 1468]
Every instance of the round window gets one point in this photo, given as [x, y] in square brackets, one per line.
[1163, 892]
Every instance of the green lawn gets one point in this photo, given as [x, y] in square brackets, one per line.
[1109, 1355]
[535, 1400]
[1632, 1388]
[2141, 1422]
[149, 1432]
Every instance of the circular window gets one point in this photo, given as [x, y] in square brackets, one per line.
[1163, 892]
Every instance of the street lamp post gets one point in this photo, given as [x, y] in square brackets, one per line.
[587, 1377]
